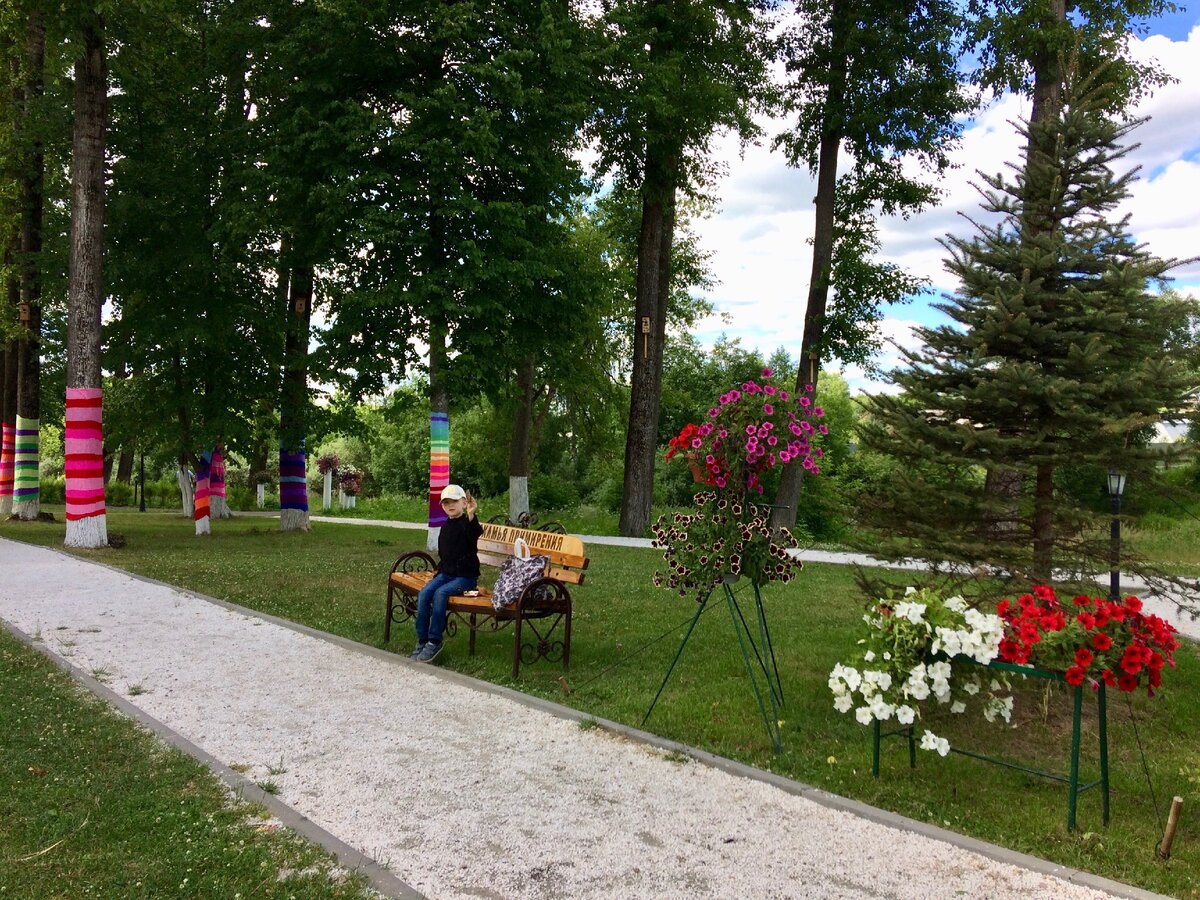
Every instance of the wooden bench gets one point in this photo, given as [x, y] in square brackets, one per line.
[538, 615]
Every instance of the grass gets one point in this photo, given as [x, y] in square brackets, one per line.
[626, 634]
[91, 805]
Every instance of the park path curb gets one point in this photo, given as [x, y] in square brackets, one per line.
[388, 884]
[379, 878]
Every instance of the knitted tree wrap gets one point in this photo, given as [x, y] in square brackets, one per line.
[293, 483]
[84, 453]
[25, 461]
[439, 466]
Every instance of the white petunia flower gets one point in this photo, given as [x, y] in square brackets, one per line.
[905, 715]
[863, 714]
[958, 707]
[843, 702]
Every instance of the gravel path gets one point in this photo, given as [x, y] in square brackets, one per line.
[462, 793]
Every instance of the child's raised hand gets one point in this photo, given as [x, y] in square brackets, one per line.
[471, 505]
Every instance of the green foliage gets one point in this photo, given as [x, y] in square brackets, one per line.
[1055, 367]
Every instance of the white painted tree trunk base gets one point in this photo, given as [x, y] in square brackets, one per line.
[27, 510]
[431, 539]
[204, 525]
[219, 508]
[518, 496]
[90, 533]
[262, 495]
[186, 496]
[327, 493]
[6, 504]
[293, 520]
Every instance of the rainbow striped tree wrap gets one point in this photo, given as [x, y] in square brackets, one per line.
[203, 474]
[293, 482]
[7, 446]
[84, 453]
[25, 463]
[216, 481]
[439, 465]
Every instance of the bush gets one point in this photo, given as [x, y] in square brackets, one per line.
[52, 490]
[552, 492]
[117, 493]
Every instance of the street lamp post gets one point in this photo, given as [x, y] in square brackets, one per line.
[1116, 487]
[142, 482]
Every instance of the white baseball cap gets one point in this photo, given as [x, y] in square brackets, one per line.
[453, 492]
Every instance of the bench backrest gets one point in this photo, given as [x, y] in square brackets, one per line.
[567, 561]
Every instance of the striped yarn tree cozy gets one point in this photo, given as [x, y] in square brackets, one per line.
[293, 483]
[84, 467]
[203, 475]
[25, 468]
[216, 485]
[7, 446]
[439, 466]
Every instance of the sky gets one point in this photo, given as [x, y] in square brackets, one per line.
[759, 235]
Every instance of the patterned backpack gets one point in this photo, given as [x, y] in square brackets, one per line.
[517, 574]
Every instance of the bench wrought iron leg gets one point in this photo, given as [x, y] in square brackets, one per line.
[567, 640]
[387, 623]
[471, 639]
[516, 669]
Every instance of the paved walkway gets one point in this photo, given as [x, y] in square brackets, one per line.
[462, 789]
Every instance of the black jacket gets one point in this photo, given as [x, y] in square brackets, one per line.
[458, 547]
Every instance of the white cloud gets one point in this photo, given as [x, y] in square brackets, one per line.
[760, 237]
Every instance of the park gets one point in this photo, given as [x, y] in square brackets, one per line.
[302, 296]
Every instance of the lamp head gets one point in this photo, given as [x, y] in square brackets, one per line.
[1116, 483]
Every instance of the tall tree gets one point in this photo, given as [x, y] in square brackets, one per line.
[876, 83]
[84, 454]
[1060, 355]
[680, 71]
[26, 488]
[1019, 46]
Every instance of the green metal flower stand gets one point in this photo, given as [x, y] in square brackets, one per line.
[1074, 788]
[758, 655]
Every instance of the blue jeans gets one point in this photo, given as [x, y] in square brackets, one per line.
[431, 605]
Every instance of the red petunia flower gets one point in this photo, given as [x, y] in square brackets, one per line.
[1075, 676]
[1127, 683]
[1101, 641]
[1083, 657]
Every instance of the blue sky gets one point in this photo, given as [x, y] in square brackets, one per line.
[759, 236]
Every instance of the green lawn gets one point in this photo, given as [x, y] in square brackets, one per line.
[93, 806]
[333, 579]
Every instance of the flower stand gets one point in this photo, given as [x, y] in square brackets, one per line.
[1074, 788]
[764, 678]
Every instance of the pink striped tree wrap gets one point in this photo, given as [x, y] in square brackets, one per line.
[7, 447]
[84, 453]
[203, 476]
[216, 480]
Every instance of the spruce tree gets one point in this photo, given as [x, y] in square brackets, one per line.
[1059, 356]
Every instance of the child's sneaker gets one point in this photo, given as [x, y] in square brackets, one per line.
[416, 654]
[429, 652]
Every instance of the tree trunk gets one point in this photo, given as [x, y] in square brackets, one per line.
[293, 407]
[787, 496]
[518, 456]
[1043, 525]
[439, 432]
[649, 334]
[8, 396]
[1004, 485]
[187, 500]
[203, 507]
[125, 466]
[26, 486]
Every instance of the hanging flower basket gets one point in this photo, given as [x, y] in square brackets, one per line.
[699, 473]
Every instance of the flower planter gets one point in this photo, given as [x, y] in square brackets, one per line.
[699, 472]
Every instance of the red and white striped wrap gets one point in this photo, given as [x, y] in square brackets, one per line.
[84, 447]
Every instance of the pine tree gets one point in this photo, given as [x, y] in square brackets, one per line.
[1058, 356]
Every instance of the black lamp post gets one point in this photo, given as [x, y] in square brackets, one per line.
[1116, 487]
[142, 482]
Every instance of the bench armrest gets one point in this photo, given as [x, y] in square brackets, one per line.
[414, 561]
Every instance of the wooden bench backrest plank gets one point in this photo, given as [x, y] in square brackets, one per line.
[564, 550]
